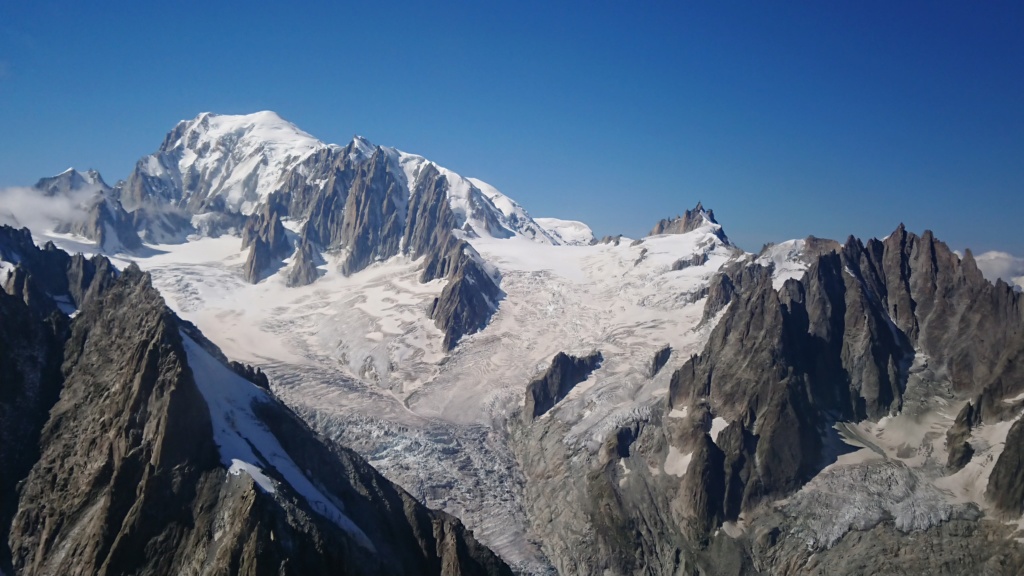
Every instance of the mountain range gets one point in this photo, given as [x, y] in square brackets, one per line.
[412, 350]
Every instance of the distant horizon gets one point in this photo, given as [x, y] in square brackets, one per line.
[786, 120]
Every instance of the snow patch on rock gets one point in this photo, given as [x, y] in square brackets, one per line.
[238, 433]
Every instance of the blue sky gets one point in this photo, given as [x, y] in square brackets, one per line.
[787, 118]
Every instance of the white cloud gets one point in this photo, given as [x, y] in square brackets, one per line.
[28, 207]
[1001, 265]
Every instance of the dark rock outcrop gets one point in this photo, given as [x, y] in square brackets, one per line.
[303, 271]
[471, 294]
[688, 222]
[698, 259]
[660, 359]
[431, 221]
[468, 299]
[267, 241]
[47, 278]
[170, 225]
[731, 279]
[1006, 484]
[958, 447]
[374, 215]
[564, 373]
[31, 350]
[322, 199]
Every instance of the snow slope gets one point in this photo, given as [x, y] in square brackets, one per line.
[567, 232]
[240, 158]
[788, 261]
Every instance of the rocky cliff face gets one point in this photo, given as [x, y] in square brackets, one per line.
[159, 458]
[267, 241]
[32, 347]
[687, 222]
[469, 298]
[564, 373]
[374, 218]
[303, 271]
[693, 487]
[1006, 484]
[107, 223]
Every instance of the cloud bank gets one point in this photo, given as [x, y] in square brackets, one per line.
[997, 264]
[28, 207]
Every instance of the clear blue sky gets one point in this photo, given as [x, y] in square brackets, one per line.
[787, 118]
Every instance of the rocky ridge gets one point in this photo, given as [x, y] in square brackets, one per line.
[752, 420]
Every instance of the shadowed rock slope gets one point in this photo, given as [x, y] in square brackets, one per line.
[127, 472]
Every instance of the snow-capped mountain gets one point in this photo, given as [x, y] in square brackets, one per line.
[220, 162]
[233, 164]
[666, 404]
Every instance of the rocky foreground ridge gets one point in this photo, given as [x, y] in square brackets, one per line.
[131, 446]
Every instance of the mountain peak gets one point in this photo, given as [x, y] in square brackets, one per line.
[71, 180]
[362, 146]
[249, 152]
[688, 222]
[266, 126]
